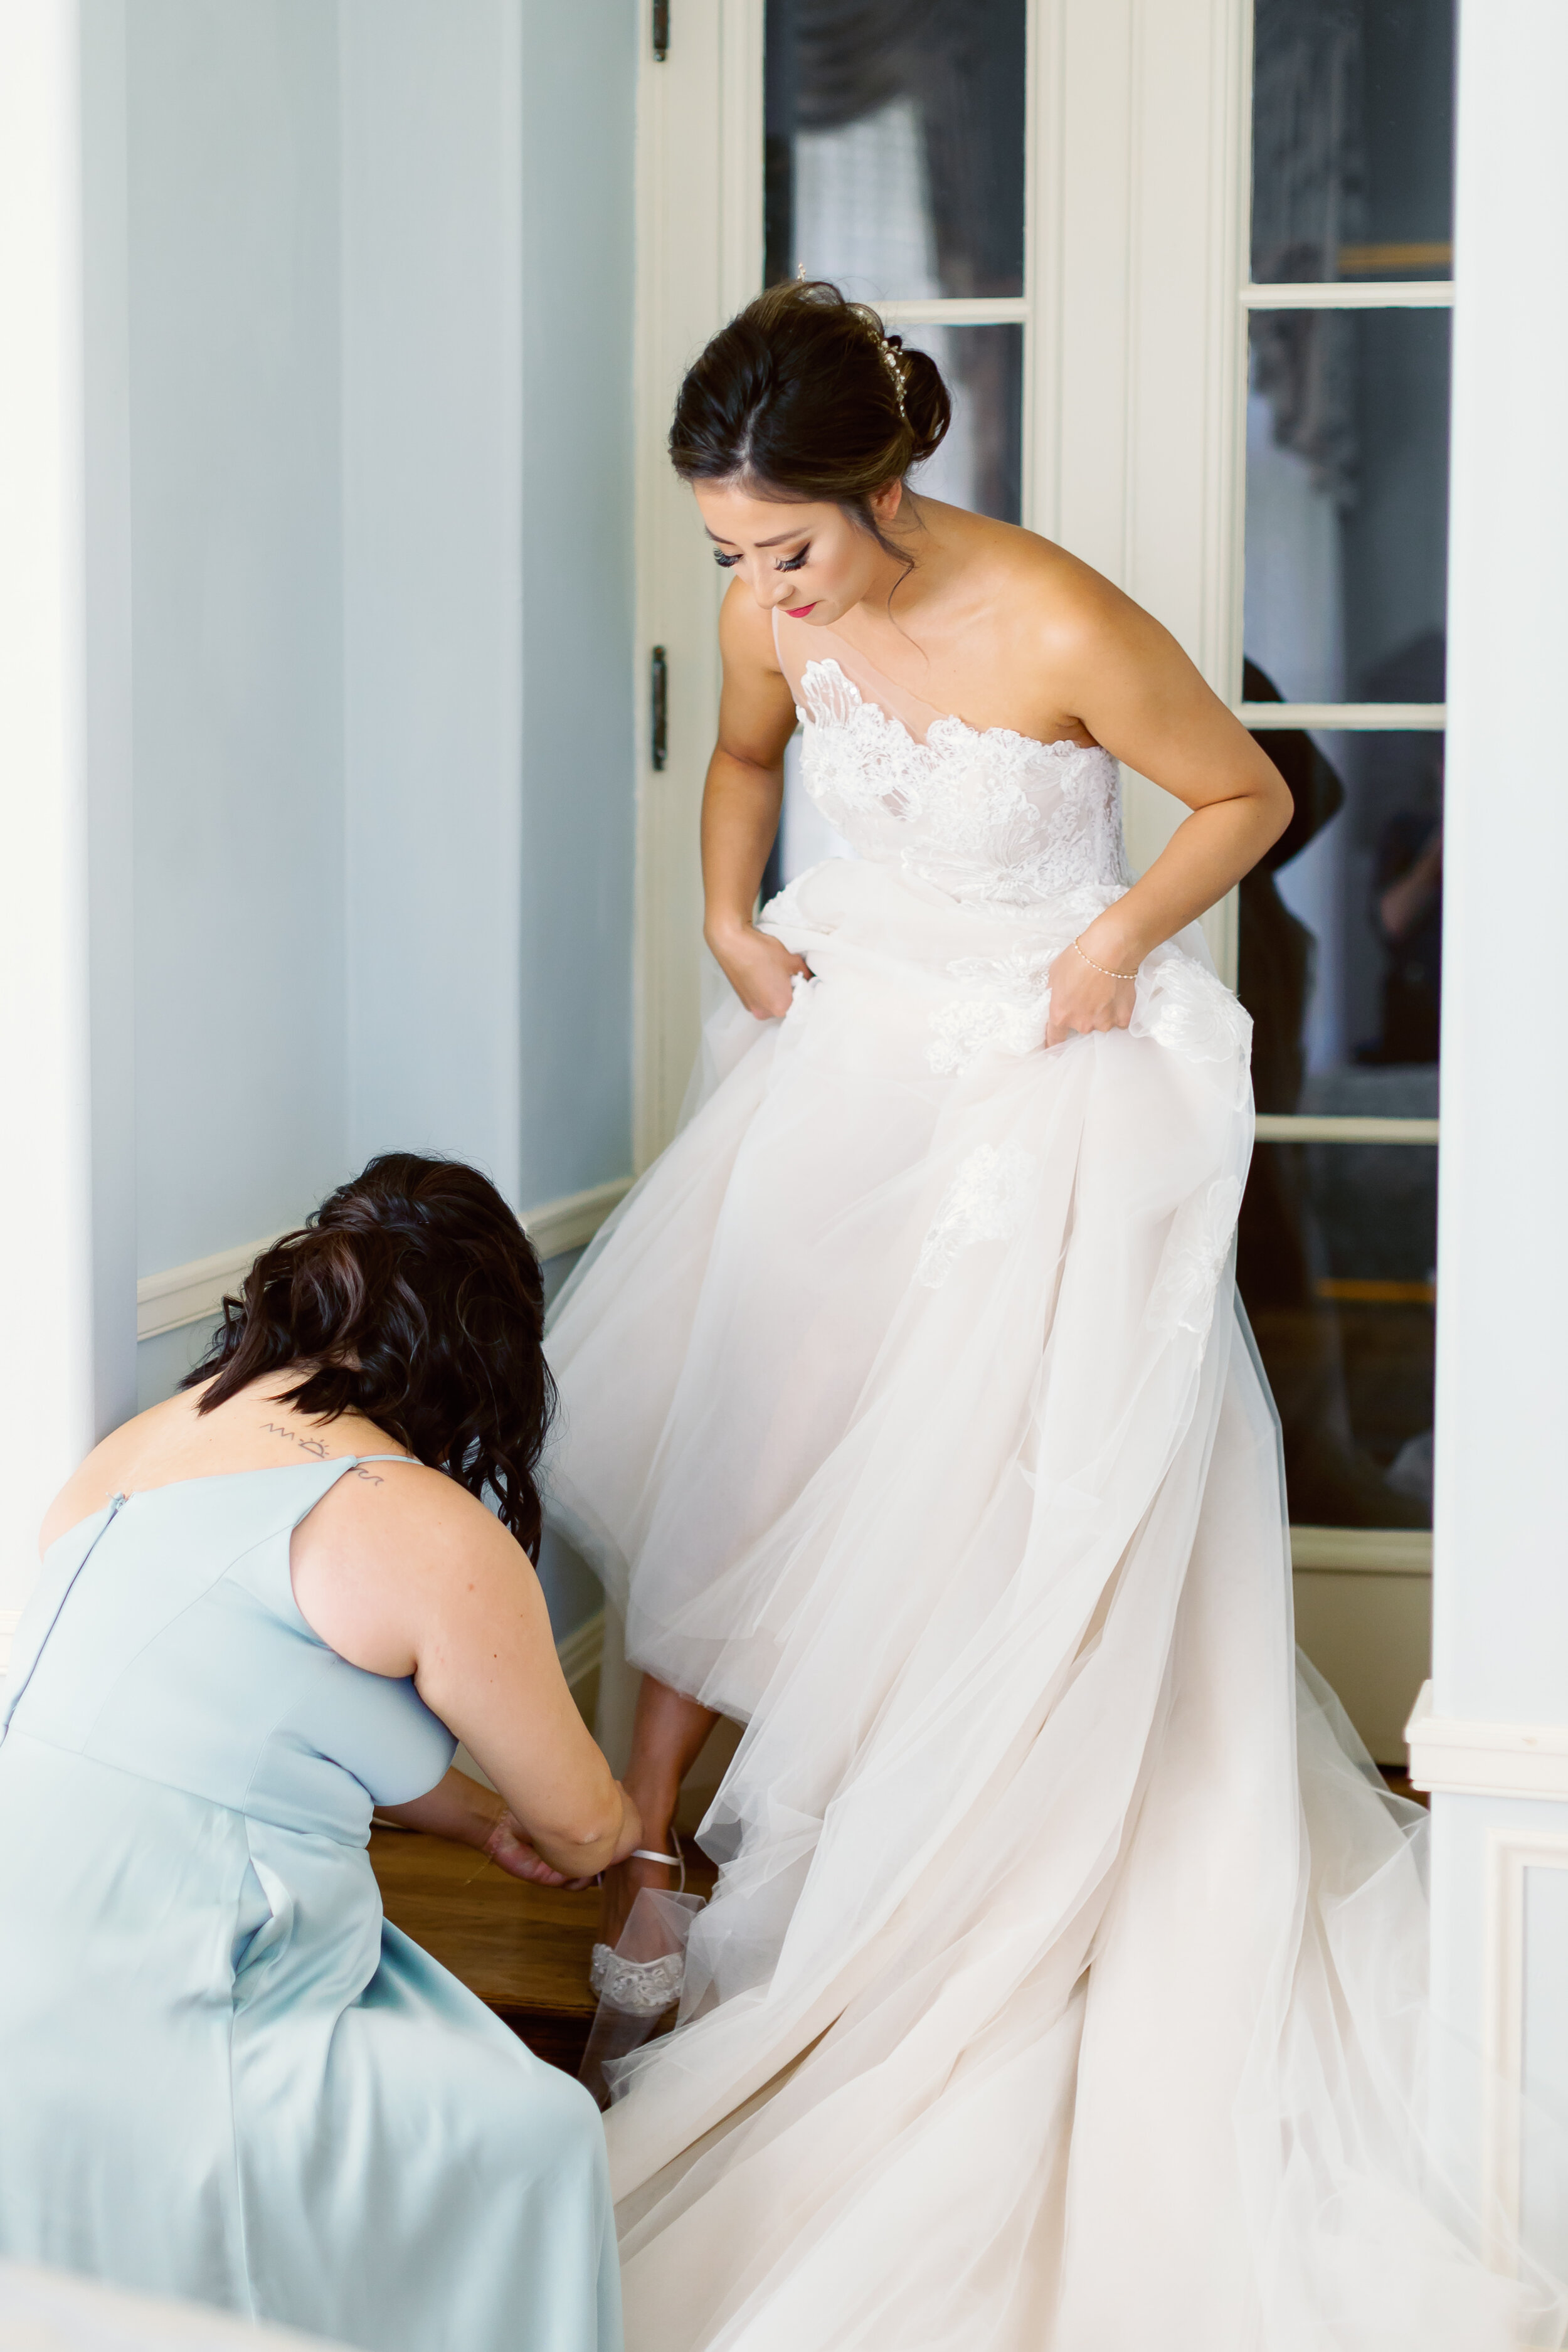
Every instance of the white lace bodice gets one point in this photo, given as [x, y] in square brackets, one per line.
[990, 816]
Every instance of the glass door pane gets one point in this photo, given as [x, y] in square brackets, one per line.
[895, 145]
[979, 464]
[1335, 1255]
[1347, 503]
[1352, 136]
[1341, 928]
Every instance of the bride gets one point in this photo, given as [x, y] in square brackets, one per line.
[1062, 1983]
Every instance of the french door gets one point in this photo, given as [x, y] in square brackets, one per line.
[1185, 264]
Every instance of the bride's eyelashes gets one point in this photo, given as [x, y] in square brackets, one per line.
[787, 564]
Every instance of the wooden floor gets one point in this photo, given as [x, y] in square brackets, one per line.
[525, 1950]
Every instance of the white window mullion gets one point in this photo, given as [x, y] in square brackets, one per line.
[1340, 294]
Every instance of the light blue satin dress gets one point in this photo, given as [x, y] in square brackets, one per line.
[223, 2074]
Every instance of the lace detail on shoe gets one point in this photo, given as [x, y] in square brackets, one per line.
[1184, 1293]
[982, 814]
[985, 1202]
[1008, 1016]
[636, 1988]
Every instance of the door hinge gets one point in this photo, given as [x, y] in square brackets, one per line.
[661, 30]
[658, 708]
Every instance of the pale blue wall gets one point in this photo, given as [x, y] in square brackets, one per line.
[579, 72]
[432, 576]
[232, 169]
[379, 273]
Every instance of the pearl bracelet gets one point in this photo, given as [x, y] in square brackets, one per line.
[1103, 968]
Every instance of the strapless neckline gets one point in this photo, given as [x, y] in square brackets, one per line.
[945, 718]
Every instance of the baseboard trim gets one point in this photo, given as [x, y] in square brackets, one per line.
[1457, 1758]
[1362, 1551]
[574, 1219]
[194, 1293]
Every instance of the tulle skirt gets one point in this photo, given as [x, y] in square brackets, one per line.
[1064, 1983]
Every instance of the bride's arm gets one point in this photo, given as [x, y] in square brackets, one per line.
[740, 807]
[1137, 693]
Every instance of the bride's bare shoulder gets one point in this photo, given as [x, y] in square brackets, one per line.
[1029, 572]
[1044, 602]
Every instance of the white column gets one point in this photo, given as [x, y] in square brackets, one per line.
[1500, 1698]
[45, 1358]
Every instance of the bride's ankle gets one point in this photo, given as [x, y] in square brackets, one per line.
[656, 1810]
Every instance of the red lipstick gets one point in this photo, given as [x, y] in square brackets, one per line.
[799, 612]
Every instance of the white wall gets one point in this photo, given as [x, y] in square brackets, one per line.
[46, 1371]
[1500, 1618]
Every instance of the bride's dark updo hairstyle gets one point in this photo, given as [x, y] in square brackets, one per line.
[803, 396]
[414, 1296]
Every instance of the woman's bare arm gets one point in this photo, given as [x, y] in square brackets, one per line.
[464, 1809]
[1138, 695]
[740, 803]
[413, 1576]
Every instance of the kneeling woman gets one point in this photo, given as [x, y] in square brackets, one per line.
[267, 1606]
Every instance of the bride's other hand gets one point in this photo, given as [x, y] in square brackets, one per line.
[759, 968]
[1085, 998]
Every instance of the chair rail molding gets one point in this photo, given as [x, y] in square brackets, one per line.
[1453, 1758]
[191, 1293]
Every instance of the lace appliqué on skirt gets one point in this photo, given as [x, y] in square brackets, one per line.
[1184, 1293]
[1008, 1016]
[1190, 1011]
[985, 1202]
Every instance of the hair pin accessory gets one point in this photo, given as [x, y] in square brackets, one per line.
[890, 357]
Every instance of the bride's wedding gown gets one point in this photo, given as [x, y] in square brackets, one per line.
[1064, 1983]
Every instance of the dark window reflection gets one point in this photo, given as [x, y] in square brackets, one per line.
[1352, 134]
[1335, 1258]
[1341, 967]
[1347, 498]
[895, 145]
[1341, 959]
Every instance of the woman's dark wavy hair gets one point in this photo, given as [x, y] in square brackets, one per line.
[414, 1296]
[798, 397]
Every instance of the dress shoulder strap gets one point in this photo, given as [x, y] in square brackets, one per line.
[413, 1458]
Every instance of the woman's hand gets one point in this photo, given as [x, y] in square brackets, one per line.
[510, 1847]
[1083, 999]
[758, 967]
